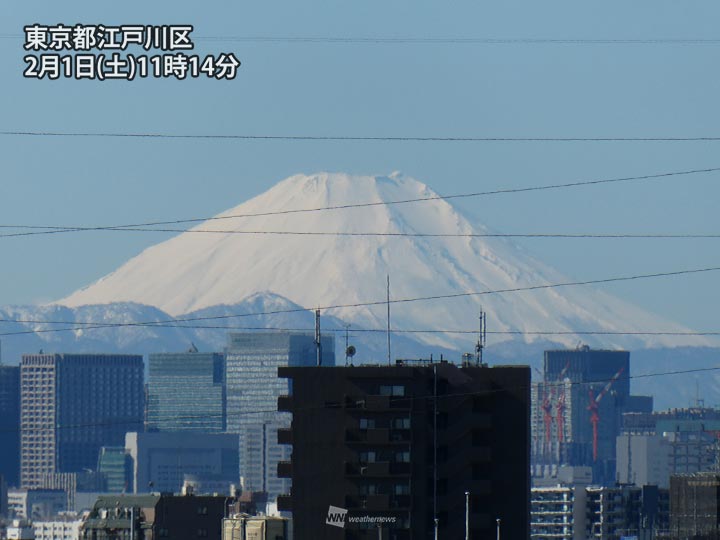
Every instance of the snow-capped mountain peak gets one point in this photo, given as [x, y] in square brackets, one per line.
[231, 257]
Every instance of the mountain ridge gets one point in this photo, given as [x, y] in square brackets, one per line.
[197, 270]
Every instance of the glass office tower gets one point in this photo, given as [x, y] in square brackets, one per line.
[253, 388]
[186, 392]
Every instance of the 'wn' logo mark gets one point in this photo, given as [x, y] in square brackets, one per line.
[336, 516]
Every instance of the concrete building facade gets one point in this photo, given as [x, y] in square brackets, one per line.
[644, 459]
[71, 406]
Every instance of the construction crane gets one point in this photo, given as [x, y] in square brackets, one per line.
[560, 418]
[594, 408]
[547, 417]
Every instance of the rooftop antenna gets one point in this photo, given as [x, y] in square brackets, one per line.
[388, 318]
[318, 344]
[349, 349]
[481, 338]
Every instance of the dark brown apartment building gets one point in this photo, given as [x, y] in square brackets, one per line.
[394, 452]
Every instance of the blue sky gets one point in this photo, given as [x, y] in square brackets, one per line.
[415, 89]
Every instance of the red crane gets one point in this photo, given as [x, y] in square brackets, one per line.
[561, 404]
[561, 415]
[594, 408]
[547, 417]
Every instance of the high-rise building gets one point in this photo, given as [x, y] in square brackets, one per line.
[186, 392]
[253, 387]
[393, 452]
[10, 423]
[71, 406]
[577, 410]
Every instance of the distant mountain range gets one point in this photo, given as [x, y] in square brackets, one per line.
[230, 272]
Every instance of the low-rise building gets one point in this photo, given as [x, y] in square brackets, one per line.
[65, 526]
[577, 512]
[36, 503]
[20, 529]
[246, 527]
[155, 516]
[695, 506]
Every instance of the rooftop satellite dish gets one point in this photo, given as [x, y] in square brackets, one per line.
[350, 351]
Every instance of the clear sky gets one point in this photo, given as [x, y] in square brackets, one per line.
[381, 89]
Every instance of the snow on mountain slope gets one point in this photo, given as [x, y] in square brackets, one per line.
[197, 270]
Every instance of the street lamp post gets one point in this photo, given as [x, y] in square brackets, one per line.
[497, 520]
[467, 515]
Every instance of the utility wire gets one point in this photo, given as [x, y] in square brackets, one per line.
[85, 325]
[383, 138]
[375, 303]
[52, 229]
[359, 234]
[406, 399]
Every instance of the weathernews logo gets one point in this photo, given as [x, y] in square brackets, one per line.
[336, 516]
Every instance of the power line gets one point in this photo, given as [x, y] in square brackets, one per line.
[356, 138]
[408, 399]
[628, 236]
[375, 303]
[85, 325]
[55, 229]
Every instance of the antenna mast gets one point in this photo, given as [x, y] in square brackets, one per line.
[481, 338]
[318, 344]
[347, 344]
[388, 320]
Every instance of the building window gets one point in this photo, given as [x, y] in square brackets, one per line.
[367, 423]
[401, 423]
[392, 390]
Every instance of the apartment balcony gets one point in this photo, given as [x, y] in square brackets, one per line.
[284, 436]
[284, 469]
[285, 403]
[368, 502]
[378, 469]
[284, 503]
[378, 436]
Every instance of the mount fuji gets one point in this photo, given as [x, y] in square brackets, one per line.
[234, 256]
[230, 273]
